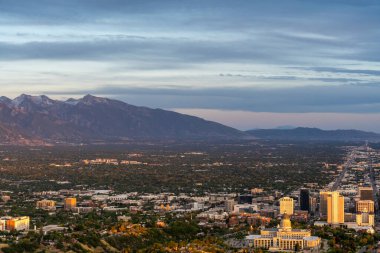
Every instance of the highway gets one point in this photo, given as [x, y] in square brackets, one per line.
[347, 165]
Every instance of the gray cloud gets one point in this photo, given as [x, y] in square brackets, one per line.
[343, 70]
[273, 43]
[344, 98]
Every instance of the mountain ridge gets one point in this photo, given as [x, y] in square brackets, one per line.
[40, 120]
[313, 134]
[37, 119]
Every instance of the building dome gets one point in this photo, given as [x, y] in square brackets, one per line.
[286, 224]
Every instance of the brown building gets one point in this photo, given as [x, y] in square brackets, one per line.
[368, 205]
[366, 193]
[45, 204]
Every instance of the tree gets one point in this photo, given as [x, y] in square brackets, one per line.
[297, 247]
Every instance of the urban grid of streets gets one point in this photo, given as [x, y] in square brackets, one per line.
[361, 157]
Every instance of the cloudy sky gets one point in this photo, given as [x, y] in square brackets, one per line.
[248, 64]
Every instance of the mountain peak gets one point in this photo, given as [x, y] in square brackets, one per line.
[90, 99]
[5, 100]
[37, 100]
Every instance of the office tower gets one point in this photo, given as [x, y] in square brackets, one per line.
[70, 203]
[313, 205]
[286, 206]
[335, 208]
[229, 205]
[323, 203]
[304, 200]
[368, 205]
[245, 199]
[366, 193]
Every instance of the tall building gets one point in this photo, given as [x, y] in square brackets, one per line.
[323, 203]
[286, 205]
[304, 200]
[245, 199]
[229, 205]
[335, 208]
[70, 203]
[313, 205]
[284, 238]
[366, 193]
[362, 205]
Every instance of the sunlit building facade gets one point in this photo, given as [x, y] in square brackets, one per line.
[335, 208]
[362, 205]
[286, 205]
[284, 238]
[46, 204]
[15, 223]
[70, 203]
[365, 218]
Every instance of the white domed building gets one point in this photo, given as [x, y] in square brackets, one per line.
[284, 238]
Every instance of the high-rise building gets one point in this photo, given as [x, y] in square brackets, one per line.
[313, 205]
[366, 193]
[70, 203]
[323, 203]
[229, 205]
[286, 205]
[245, 199]
[362, 205]
[335, 208]
[304, 200]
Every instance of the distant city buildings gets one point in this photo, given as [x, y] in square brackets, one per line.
[112, 161]
[5, 198]
[257, 191]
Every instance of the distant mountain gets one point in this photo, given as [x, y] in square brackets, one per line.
[285, 127]
[40, 120]
[305, 134]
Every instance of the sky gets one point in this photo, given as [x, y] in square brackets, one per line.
[247, 64]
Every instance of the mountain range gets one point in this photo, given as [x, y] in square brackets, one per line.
[39, 120]
[313, 134]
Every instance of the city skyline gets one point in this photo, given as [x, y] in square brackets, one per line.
[245, 64]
